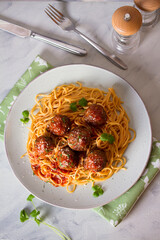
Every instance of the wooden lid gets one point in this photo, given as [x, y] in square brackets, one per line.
[147, 5]
[126, 20]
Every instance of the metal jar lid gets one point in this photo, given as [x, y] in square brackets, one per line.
[126, 20]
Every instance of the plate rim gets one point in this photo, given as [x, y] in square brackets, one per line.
[74, 65]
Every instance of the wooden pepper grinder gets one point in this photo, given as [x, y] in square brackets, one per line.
[126, 22]
[149, 11]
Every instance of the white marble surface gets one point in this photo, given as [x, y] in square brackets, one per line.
[94, 19]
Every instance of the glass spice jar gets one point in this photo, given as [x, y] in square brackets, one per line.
[149, 10]
[126, 22]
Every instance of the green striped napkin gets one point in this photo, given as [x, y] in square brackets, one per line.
[37, 67]
[115, 211]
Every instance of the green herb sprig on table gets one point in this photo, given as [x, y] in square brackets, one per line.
[25, 118]
[98, 191]
[34, 215]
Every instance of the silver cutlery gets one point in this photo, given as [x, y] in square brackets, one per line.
[67, 25]
[24, 32]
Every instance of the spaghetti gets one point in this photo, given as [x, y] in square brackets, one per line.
[59, 102]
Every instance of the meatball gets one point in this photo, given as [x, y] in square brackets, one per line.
[60, 124]
[95, 114]
[96, 160]
[43, 145]
[79, 138]
[66, 158]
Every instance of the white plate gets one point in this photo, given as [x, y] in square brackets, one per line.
[137, 153]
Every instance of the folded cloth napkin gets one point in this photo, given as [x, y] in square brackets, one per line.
[116, 210]
[37, 67]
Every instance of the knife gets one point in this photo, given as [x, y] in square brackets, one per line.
[24, 33]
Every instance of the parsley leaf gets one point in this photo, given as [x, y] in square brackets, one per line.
[107, 137]
[97, 191]
[83, 102]
[37, 220]
[30, 197]
[95, 187]
[95, 194]
[25, 113]
[25, 118]
[73, 106]
[34, 213]
[23, 216]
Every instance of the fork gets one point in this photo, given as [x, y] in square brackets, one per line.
[67, 25]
